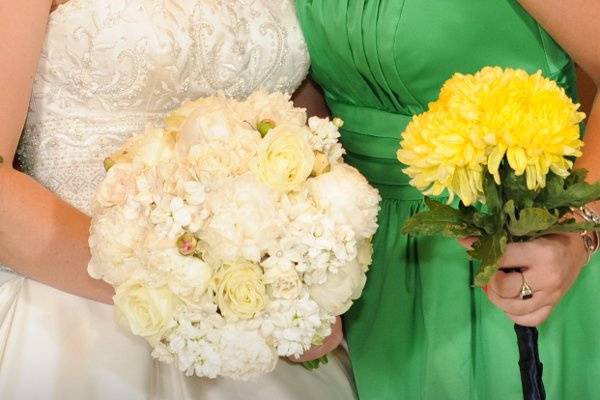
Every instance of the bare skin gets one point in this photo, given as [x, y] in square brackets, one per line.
[41, 236]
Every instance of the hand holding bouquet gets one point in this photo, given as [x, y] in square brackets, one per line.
[234, 234]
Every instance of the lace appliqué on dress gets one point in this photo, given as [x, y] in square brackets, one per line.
[110, 67]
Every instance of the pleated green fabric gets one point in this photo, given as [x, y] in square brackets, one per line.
[420, 331]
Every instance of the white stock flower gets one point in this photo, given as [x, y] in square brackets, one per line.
[325, 139]
[336, 294]
[293, 324]
[346, 196]
[277, 107]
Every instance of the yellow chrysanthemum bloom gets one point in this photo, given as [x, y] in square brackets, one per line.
[527, 118]
[478, 120]
[443, 152]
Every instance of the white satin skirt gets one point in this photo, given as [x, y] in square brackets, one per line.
[57, 346]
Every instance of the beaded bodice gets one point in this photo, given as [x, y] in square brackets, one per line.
[109, 67]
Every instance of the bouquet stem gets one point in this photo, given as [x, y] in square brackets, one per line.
[529, 363]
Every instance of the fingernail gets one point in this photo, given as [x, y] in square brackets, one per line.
[485, 288]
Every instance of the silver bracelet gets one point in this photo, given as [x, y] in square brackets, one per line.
[591, 240]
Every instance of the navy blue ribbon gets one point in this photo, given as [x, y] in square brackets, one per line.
[530, 364]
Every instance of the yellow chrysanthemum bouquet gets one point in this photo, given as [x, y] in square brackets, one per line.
[504, 142]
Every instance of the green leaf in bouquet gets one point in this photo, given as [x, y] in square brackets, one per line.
[572, 191]
[491, 191]
[568, 226]
[440, 219]
[487, 223]
[488, 249]
[576, 176]
[314, 364]
[530, 221]
[515, 188]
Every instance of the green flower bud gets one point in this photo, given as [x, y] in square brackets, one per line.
[108, 163]
[264, 126]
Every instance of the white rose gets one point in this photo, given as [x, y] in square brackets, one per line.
[339, 290]
[146, 311]
[240, 290]
[285, 158]
[346, 196]
[284, 283]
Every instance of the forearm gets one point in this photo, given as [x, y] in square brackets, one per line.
[590, 159]
[44, 238]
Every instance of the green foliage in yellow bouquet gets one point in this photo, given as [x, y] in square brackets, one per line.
[503, 141]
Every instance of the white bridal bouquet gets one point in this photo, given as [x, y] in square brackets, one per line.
[233, 234]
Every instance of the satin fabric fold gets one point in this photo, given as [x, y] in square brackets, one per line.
[56, 346]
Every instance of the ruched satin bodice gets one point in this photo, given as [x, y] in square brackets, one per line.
[381, 62]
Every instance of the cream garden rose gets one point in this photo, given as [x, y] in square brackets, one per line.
[147, 311]
[285, 157]
[240, 290]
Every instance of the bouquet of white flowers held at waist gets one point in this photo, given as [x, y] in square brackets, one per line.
[233, 234]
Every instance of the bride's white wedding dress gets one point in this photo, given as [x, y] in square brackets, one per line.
[109, 67]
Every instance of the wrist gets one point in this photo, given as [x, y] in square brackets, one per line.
[589, 238]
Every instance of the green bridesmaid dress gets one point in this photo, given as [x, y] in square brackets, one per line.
[420, 331]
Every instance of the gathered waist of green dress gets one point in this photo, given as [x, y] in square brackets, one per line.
[371, 138]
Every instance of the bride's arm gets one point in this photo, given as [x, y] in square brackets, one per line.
[41, 236]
